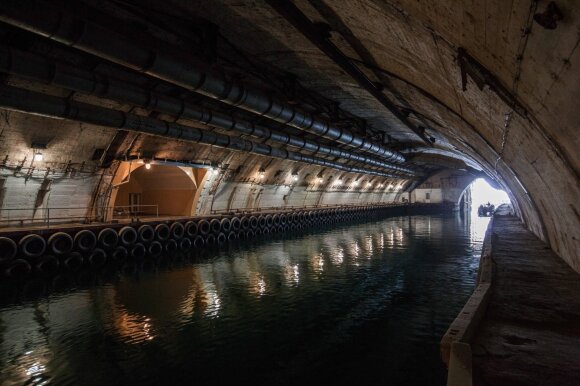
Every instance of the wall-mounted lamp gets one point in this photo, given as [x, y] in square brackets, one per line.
[147, 165]
[369, 183]
[261, 173]
[295, 176]
[36, 147]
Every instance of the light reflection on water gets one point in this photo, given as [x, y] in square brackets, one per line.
[364, 304]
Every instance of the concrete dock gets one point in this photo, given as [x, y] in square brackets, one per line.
[530, 333]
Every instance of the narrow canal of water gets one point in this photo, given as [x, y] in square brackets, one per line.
[360, 305]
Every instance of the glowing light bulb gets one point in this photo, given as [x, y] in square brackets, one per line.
[147, 166]
[38, 156]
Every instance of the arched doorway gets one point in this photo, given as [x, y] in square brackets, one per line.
[155, 189]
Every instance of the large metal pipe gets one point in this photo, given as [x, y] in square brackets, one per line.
[40, 18]
[37, 68]
[14, 98]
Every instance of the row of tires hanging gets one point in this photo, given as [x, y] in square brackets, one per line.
[74, 249]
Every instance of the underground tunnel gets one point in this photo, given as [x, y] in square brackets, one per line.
[289, 192]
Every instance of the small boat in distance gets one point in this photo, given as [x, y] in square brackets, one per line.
[485, 210]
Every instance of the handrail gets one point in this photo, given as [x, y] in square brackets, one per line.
[44, 216]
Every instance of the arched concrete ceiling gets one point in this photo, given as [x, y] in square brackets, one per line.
[527, 140]
[495, 89]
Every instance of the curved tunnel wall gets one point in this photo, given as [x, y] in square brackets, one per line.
[530, 150]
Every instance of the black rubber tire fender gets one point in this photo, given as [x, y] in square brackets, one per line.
[128, 236]
[225, 225]
[85, 240]
[138, 251]
[32, 246]
[146, 233]
[47, 265]
[97, 258]
[60, 243]
[8, 249]
[171, 246]
[162, 232]
[120, 253]
[236, 224]
[191, 229]
[185, 244]
[215, 225]
[18, 269]
[177, 231]
[73, 262]
[203, 227]
[108, 238]
[155, 248]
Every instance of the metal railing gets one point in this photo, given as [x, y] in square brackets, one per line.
[130, 211]
[301, 207]
[45, 216]
[19, 217]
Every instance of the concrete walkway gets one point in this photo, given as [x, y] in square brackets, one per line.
[530, 334]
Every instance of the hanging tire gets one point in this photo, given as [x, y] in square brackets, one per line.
[198, 242]
[253, 222]
[210, 240]
[128, 236]
[261, 222]
[8, 249]
[162, 232]
[215, 226]
[191, 229]
[232, 236]
[225, 225]
[177, 231]
[47, 265]
[18, 269]
[276, 220]
[221, 238]
[97, 258]
[171, 246]
[245, 223]
[120, 253]
[203, 227]
[250, 234]
[266, 231]
[236, 224]
[242, 235]
[185, 244]
[108, 238]
[146, 234]
[73, 262]
[155, 248]
[138, 251]
[60, 243]
[32, 246]
[283, 219]
[258, 232]
[269, 221]
[85, 241]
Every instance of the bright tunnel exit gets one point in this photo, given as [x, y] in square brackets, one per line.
[482, 193]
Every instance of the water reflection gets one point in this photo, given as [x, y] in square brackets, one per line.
[301, 309]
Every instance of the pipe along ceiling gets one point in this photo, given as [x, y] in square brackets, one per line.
[14, 98]
[110, 45]
[40, 69]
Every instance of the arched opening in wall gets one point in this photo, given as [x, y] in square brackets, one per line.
[484, 196]
[477, 202]
[150, 190]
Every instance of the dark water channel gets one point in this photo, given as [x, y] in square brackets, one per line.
[354, 305]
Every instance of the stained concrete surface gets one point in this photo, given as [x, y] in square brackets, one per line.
[530, 334]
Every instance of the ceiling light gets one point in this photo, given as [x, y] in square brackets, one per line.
[38, 156]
